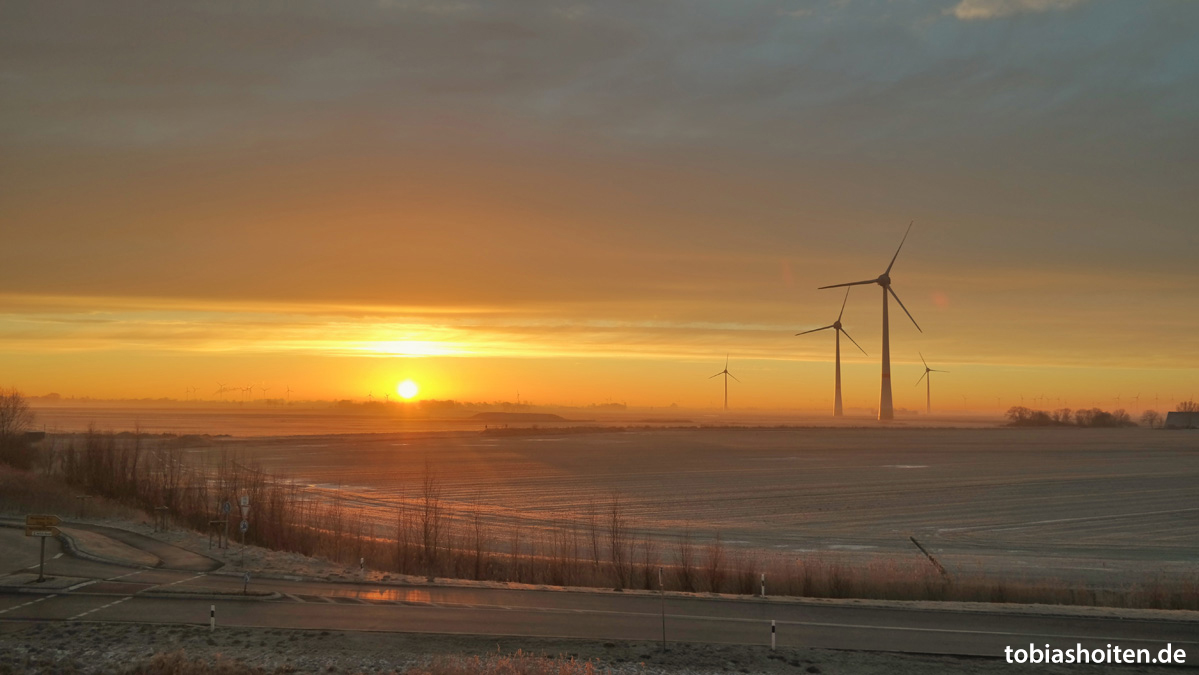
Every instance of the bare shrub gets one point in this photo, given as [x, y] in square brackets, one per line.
[684, 553]
[714, 564]
[618, 544]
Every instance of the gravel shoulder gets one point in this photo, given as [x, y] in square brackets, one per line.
[95, 648]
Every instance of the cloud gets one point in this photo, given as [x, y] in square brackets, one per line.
[971, 10]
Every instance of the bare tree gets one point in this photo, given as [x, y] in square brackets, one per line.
[1188, 406]
[1151, 418]
[15, 419]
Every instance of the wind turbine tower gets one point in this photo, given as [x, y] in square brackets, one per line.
[928, 385]
[886, 411]
[836, 326]
[727, 375]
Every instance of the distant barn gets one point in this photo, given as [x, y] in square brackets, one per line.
[1182, 420]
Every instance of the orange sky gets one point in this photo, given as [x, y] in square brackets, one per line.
[598, 202]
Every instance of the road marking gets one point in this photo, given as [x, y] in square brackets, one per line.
[82, 584]
[295, 597]
[114, 602]
[125, 575]
[177, 581]
[47, 597]
[57, 556]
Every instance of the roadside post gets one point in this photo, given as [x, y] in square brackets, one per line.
[211, 618]
[245, 583]
[772, 634]
[362, 564]
[763, 584]
[245, 525]
[226, 507]
[160, 518]
[244, 503]
[662, 592]
[41, 526]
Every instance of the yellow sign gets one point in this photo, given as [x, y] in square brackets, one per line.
[41, 522]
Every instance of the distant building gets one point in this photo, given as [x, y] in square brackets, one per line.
[1182, 420]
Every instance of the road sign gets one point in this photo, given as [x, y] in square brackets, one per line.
[245, 500]
[50, 532]
[41, 522]
[245, 525]
[226, 507]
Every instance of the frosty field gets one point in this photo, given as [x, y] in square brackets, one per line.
[1109, 507]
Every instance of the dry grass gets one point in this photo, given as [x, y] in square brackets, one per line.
[519, 663]
[24, 492]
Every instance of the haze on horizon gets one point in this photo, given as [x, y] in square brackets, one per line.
[598, 201]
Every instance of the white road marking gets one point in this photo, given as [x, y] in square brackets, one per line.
[83, 583]
[31, 602]
[114, 602]
[177, 581]
[125, 575]
[295, 597]
[57, 556]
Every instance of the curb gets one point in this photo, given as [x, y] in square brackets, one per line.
[73, 547]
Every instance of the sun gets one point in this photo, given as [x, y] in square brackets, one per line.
[407, 389]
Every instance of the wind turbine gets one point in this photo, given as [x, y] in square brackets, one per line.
[928, 400]
[727, 375]
[885, 410]
[289, 393]
[836, 326]
[220, 389]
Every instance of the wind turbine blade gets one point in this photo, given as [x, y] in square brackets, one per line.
[939, 371]
[905, 309]
[855, 342]
[717, 374]
[733, 376]
[726, 361]
[854, 283]
[922, 360]
[921, 378]
[847, 290]
[905, 238]
[814, 330]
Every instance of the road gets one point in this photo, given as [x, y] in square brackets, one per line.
[94, 591]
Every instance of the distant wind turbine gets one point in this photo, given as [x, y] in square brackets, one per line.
[727, 375]
[928, 401]
[838, 330]
[886, 410]
[220, 390]
[289, 393]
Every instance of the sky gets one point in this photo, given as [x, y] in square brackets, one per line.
[589, 202]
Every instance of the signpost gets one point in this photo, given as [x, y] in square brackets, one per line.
[41, 527]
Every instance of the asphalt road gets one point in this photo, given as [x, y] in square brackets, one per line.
[92, 591]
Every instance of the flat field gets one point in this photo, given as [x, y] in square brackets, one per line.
[1109, 507]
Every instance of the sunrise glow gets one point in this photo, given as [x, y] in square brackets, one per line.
[407, 389]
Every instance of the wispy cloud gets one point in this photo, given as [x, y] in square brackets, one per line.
[973, 10]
